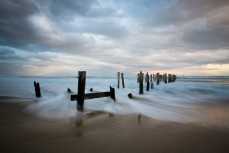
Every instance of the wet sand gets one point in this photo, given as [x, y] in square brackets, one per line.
[22, 132]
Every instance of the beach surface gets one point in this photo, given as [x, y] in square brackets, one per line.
[23, 132]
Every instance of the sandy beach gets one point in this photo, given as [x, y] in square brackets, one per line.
[100, 132]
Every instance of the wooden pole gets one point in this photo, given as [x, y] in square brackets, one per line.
[69, 90]
[37, 89]
[81, 90]
[174, 78]
[169, 78]
[118, 75]
[165, 77]
[152, 85]
[122, 76]
[158, 78]
[151, 81]
[112, 92]
[141, 83]
[147, 81]
[130, 95]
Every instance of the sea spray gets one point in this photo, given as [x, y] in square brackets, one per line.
[177, 101]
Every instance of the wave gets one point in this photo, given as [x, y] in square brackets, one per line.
[178, 101]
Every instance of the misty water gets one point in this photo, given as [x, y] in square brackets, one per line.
[186, 100]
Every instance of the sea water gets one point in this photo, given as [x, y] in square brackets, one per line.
[176, 101]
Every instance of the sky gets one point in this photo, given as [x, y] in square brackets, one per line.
[102, 37]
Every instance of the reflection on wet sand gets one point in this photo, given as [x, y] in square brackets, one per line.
[97, 131]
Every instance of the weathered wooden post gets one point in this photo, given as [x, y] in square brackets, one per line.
[147, 81]
[122, 76]
[169, 78]
[81, 96]
[81, 90]
[174, 78]
[152, 85]
[165, 75]
[118, 75]
[130, 95]
[141, 83]
[37, 89]
[69, 90]
[158, 78]
[112, 93]
[154, 78]
[151, 81]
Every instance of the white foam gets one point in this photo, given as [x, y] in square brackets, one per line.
[174, 101]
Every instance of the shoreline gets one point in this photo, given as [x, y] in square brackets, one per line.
[100, 132]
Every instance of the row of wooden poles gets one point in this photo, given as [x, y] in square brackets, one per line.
[149, 79]
[153, 77]
[81, 96]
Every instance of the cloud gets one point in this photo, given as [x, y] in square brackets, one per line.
[57, 36]
[15, 30]
[214, 34]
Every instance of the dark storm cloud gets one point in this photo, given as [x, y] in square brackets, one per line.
[113, 33]
[214, 34]
[20, 21]
[171, 12]
[15, 30]
[10, 55]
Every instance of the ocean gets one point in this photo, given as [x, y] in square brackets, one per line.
[186, 100]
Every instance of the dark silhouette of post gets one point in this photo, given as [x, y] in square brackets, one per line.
[118, 76]
[37, 89]
[141, 83]
[165, 76]
[174, 78]
[69, 90]
[81, 96]
[130, 95]
[112, 93]
[122, 76]
[158, 78]
[147, 81]
[169, 78]
[152, 85]
[81, 90]
[151, 81]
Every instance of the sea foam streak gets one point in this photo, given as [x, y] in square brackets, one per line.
[178, 101]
